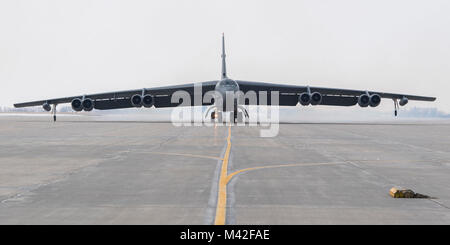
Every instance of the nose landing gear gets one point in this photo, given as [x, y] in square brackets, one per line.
[216, 115]
[236, 116]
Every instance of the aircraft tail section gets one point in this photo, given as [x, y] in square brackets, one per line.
[224, 66]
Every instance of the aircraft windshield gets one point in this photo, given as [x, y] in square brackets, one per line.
[228, 82]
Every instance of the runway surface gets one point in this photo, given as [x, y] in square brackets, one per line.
[80, 171]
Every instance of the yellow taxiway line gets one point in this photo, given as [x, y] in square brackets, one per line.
[184, 155]
[281, 166]
[221, 209]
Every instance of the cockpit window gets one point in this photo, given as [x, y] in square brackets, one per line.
[228, 82]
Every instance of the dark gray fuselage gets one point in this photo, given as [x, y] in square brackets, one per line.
[227, 89]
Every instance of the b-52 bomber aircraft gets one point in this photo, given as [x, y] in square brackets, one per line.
[288, 95]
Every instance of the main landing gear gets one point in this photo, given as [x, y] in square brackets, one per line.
[236, 116]
[54, 112]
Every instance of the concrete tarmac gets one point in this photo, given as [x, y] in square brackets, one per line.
[84, 171]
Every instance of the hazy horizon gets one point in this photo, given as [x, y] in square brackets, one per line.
[52, 49]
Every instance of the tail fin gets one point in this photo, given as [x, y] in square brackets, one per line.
[224, 65]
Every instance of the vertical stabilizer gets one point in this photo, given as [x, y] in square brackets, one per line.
[224, 66]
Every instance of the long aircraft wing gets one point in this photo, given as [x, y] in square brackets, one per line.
[288, 94]
[122, 99]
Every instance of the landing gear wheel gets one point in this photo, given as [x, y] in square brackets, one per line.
[240, 117]
[219, 117]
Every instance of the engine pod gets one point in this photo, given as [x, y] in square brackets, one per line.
[148, 100]
[46, 107]
[375, 100]
[136, 100]
[364, 100]
[88, 104]
[304, 98]
[76, 105]
[403, 101]
[316, 98]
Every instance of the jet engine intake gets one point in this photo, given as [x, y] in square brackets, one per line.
[375, 100]
[316, 98]
[136, 100]
[364, 100]
[148, 100]
[403, 101]
[88, 104]
[76, 105]
[304, 99]
[47, 107]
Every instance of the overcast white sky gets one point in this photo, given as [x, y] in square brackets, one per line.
[61, 48]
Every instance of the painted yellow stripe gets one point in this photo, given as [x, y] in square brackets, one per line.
[184, 155]
[281, 166]
[225, 178]
[221, 209]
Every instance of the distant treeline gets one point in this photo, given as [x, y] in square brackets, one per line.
[33, 109]
[424, 112]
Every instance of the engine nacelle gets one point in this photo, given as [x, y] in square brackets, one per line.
[47, 107]
[77, 105]
[375, 100]
[148, 100]
[304, 99]
[316, 98]
[88, 104]
[136, 100]
[403, 101]
[364, 100]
